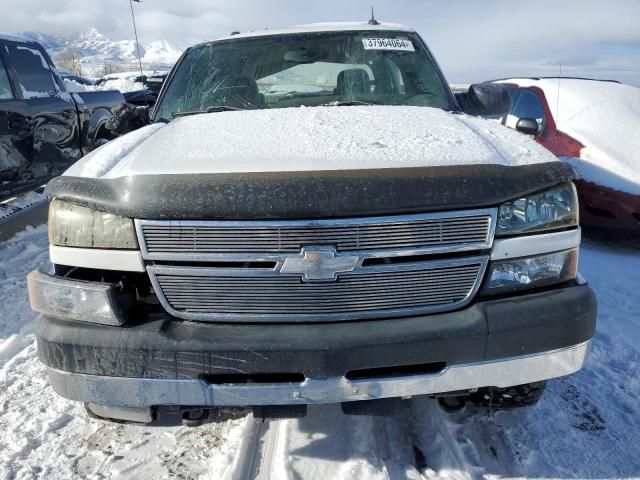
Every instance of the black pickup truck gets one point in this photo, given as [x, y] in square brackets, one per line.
[43, 127]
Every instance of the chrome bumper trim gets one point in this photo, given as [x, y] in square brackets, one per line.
[104, 259]
[143, 392]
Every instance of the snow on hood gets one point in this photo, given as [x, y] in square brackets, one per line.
[101, 160]
[308, 139]
[605, 118]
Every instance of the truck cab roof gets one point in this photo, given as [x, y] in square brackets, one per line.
[323, 27]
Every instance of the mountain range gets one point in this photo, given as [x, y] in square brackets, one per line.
[96, 50]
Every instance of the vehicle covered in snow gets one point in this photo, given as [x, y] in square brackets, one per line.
[138, 89]
[310, 218]
[44, 128]
[73, 79]
[593, 125]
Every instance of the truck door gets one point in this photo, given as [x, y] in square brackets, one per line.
[38, 120]
[16, 138]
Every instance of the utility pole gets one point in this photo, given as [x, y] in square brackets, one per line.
[135, 32]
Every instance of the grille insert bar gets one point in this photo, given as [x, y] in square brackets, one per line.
[450, 231]
[214, 295]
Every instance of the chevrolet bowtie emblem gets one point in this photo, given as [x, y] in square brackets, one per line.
[319, 264]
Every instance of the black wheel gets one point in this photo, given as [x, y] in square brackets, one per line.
[509, 398]
[195, 417]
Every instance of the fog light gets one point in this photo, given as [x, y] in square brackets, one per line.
[74, 299]
[532, 272]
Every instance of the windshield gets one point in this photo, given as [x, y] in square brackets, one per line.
[310, 69]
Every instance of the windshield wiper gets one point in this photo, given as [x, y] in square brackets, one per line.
[217, 108]
[348, 103]
[409, 96]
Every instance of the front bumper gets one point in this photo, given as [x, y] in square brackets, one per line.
[147, 392]
[159, 360]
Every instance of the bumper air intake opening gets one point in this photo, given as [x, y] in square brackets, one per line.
[251, 378]
[396, 371]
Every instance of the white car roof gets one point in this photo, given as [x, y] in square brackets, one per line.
[605, 117]
[577, 95]
[324, 27]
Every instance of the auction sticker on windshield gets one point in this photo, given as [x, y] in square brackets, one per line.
[388, 44]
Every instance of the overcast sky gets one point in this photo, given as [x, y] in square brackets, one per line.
[472, 39]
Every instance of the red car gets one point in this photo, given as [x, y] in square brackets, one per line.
[594, 125]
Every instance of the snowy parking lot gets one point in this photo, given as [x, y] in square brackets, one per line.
[586, 425]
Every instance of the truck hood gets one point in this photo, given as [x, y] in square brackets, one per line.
[309, 163]
[310, 139]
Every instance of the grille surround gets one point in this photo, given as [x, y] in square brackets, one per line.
[375, 293]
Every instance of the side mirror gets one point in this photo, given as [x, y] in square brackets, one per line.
[486, 100]
[528, 126]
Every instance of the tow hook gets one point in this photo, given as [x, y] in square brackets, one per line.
[452, 404]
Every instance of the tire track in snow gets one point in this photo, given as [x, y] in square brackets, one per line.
[328, 444]
[255, 452]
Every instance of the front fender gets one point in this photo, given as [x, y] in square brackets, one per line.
[95, 109]
[96, 127]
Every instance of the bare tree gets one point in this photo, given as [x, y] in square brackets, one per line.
[69, 59]
[110, 67]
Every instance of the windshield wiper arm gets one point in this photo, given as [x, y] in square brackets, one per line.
[217, 108]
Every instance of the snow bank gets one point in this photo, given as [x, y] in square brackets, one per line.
[103, 159]
[327, 138]
[18, 256]
[605, 118]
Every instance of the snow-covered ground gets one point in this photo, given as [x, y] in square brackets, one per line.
[586, 425]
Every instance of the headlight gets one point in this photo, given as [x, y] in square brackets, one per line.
[551, 209]
[532, 272]
[75, 226]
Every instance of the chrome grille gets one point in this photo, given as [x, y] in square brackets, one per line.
[320, 270]
[389, 290]
[445, 231]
